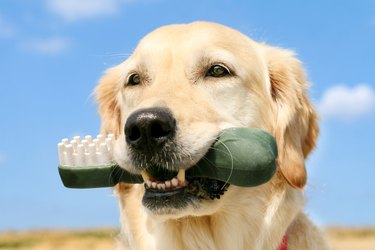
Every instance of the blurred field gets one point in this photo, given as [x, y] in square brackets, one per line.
[98, 239]
[352, 239]
[103, 239]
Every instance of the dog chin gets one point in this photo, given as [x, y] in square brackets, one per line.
[186, 200]
[174, 204]
[192, 206]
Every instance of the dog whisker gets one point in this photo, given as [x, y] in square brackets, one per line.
[114, 54]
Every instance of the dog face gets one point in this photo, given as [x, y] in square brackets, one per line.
[183, 84]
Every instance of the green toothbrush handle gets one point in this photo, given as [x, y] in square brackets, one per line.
[241, 156]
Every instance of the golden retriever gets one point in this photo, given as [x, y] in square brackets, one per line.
[167, 103]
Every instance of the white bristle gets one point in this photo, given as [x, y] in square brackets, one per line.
[74, 143]
[77, 138]
[111, 141]
[96, 142]
[92, 159]
[88, 138]
[65, 141]
[104, 157]
[69, 157]
[85, 145]
[108, 142]
[86, 152]
[101, 138]
[61, 152]
[80, 156]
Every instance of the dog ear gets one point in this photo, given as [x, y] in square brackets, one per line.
[107, 97]
[296, 128]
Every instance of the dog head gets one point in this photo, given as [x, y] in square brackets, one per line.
[183, 84]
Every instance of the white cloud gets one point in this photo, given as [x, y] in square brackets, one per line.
[72, 10]
[49, 46]
[6, 30]
[345, 103]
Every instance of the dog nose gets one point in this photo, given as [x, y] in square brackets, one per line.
[148, 129]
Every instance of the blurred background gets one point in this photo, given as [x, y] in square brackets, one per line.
[52, 53]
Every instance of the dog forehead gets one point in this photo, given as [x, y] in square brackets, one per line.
[190, 38]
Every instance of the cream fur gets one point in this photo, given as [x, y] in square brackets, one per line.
[268, 90]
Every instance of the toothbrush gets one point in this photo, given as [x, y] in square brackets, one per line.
[240, 156]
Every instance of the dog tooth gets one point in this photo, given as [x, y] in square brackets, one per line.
[181, 175]
[174, 182]
[154, 184]
[168, 184]
[145, 175]
[148, 184]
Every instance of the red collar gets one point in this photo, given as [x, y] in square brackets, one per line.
[284, 243]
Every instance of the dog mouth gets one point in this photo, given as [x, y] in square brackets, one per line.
[176, 189]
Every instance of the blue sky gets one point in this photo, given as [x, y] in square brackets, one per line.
[52, 53]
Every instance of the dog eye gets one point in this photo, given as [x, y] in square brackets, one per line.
[218, 71]
[134, 79]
